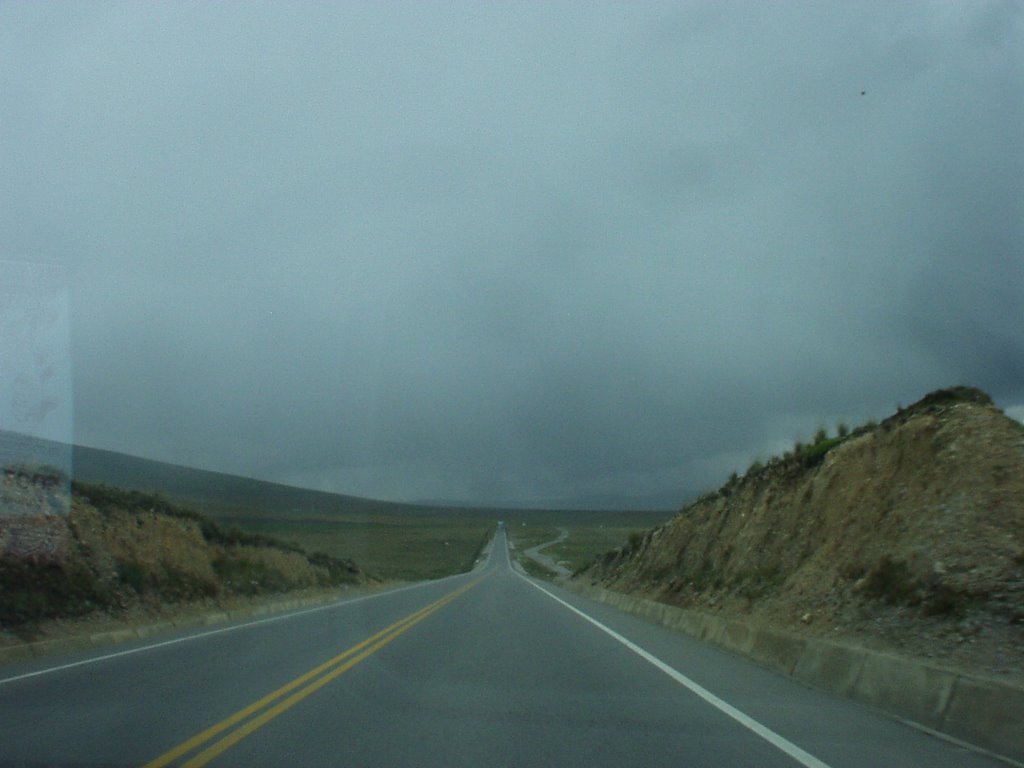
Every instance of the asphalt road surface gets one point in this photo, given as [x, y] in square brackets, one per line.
[534, 553]
[484, 669]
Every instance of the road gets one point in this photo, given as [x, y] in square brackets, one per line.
[534, 553]
[487, 668]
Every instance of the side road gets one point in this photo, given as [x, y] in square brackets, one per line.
[534, 553]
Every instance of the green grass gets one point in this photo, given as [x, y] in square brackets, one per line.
[815, 454]
[385, 539]
[527, 535]
[249, 577]
[585, 543]
[588, 538]
[438, 543]
[535, 569]
[757, 582]
[390, 548]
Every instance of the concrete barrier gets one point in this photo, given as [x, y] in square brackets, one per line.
[738, 637]
[778, 650]
[829, 665]
[986, 713]
[904, 687]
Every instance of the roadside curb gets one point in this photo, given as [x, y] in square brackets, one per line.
[25, 651]
[981, 712]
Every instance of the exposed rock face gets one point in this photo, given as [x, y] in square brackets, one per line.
[908, 534]
[33, 504]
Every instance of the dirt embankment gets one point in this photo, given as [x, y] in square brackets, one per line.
[905, 536]
[128, 555]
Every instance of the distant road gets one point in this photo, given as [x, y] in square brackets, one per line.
[534, 553]
[485, 669]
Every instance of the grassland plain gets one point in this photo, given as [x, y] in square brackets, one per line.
[436, 541]
[403, 548]
[388, 540]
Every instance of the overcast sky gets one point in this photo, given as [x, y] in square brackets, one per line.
[523, 253]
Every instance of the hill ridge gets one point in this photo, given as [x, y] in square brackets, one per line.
[907, 535]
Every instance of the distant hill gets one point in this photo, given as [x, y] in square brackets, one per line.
[655, 503]
[223, 495]
[215, 493]
[232, 498]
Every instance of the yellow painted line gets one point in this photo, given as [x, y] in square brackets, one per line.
[355, 654]
[197, 740]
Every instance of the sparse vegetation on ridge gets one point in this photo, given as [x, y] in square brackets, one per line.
[807, 455]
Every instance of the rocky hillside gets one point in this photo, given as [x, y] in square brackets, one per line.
[906, 535]
[114, 551]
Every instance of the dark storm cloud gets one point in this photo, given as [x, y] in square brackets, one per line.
[515, 253]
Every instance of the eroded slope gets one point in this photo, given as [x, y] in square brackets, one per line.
[121, 553]
[908, 536]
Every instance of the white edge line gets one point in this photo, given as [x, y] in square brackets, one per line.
[960, 742]
[791, 749]
[337, 604]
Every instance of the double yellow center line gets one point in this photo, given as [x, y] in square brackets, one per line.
[276, 702]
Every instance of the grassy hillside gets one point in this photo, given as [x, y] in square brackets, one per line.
[116, 550]
[223, 495]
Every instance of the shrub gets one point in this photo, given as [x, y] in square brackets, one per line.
[757, 582]
[944, 601]
[338, 571]
[180, 585]
[249, 577]
[105, 497]
[814, 454]
[892, 582]
[132, 574]
[32, 592]
[889, 581]
[952, 395]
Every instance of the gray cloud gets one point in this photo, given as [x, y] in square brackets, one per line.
[515, 253]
